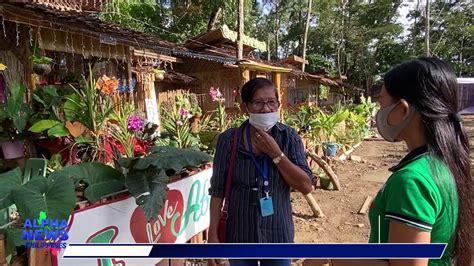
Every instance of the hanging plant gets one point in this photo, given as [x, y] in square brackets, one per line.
[41, 64]
[159, 73]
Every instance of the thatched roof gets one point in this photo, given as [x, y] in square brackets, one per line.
[89, 24]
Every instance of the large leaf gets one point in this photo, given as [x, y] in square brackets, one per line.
[177, 159]
[53, 195]
[58, 131]
[14, 239]
[149, 189]
[43, 125]
[71, 107]
[102, 179]
[8, 182]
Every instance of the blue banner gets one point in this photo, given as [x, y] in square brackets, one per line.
[251, 251]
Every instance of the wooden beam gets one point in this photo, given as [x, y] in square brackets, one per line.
[167, 58]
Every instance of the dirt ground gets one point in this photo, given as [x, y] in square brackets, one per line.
[358, 180]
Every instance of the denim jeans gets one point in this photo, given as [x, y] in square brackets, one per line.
[269, 262]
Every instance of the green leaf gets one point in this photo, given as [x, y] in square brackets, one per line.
[43, 125]
[71, 107]
[167, 158]
[149, 189]
[102, 179]
[8, 182]
[14, 238]
[53, 195]
[58, 130]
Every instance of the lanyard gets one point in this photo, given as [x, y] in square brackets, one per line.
[263, 169]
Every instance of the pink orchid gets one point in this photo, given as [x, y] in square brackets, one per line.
[215, 94]
[183, 112]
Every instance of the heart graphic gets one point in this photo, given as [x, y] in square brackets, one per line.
[159, 229]
[76, 129]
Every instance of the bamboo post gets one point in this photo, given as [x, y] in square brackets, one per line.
[318, 213]
[327, 169]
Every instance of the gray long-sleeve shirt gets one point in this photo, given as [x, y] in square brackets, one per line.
[245, 223]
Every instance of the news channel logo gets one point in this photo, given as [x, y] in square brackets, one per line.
[45, 233]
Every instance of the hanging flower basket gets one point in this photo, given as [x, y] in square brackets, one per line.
[159, 73]
[42, 69]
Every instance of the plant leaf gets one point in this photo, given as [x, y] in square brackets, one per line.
[8, 182]
[53, 195]
[43, 125]
[14, 239]
[71, 107]
[102, 179]
[149, 189]
[166, 158]
[58, 131]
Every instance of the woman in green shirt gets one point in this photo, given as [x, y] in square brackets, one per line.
[427, 199]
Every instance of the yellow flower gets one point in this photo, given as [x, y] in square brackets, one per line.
[2, 67]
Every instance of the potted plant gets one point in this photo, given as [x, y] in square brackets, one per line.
[324, 181]
[328, 124]
[14, 116]
[41, 64]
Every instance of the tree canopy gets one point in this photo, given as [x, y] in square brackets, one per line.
[358, 39]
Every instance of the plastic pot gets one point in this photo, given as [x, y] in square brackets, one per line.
[325, 183]
[330, 149]
[13, 149]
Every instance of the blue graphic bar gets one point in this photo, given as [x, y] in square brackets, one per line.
[251, 251]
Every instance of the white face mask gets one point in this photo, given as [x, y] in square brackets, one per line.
[264, 121]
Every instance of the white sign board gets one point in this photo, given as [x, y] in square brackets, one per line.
[185, 213]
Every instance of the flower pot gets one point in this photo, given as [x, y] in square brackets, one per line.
[12, 149]
[325, 183]
[330, 149]
[160, 76]
[42, 69]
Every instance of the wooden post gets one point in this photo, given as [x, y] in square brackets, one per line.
[366, 205]
[318, 213]
[327, 169]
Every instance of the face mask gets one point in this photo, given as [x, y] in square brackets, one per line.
[264, 121]
[389, 132]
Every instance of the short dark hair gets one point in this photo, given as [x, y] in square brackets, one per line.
[249, 89]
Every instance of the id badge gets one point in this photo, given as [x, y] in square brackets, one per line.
[266, 206]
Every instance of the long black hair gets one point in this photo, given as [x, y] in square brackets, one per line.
[430, 85]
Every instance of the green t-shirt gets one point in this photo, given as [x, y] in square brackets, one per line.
[420, 193]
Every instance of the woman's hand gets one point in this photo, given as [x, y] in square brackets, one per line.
[267, 144]
[214, 239]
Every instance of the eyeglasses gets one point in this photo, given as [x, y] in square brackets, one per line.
[259, 105]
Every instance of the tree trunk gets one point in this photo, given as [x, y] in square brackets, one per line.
[427, 28]
[240, 31]
[306, 28]
[277, 29]
[269, 52]
[414, 28]
[216, 13]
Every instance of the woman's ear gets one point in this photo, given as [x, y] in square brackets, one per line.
[405, 107]
[243, 108]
